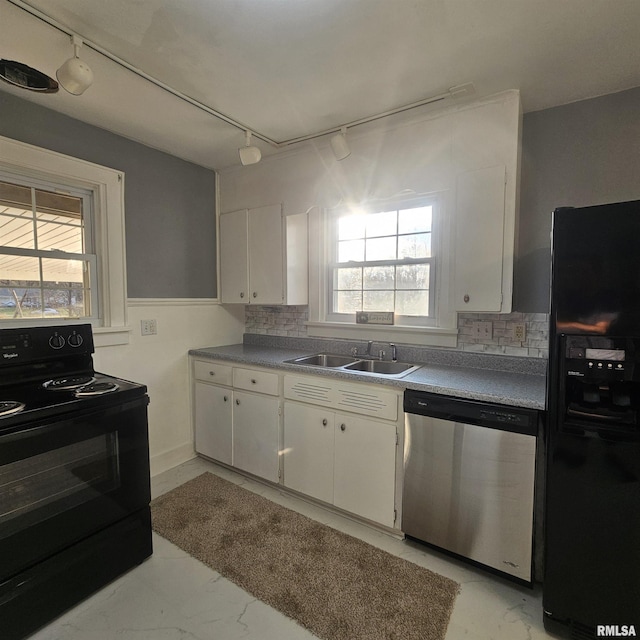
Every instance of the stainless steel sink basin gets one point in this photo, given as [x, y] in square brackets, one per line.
[349, 364]
[382, 367]
[323, 360]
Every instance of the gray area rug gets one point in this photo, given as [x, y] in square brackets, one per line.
[335, 585]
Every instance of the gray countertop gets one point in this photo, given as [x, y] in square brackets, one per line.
[491, 385]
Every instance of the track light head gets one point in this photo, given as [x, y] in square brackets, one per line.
[248, 153]
[74, 75]
[339, 145]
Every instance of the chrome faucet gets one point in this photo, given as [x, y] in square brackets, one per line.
[394, 352]
[369, 346]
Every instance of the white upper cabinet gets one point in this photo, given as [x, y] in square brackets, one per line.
[263, 257]
[485, 147]
[479, 240]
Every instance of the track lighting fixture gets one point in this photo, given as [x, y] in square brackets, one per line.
[339, 145]
[249, 154]
[74, 75]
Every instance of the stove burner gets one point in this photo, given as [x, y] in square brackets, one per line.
[9, 407]
[96, 389]
[66, 384]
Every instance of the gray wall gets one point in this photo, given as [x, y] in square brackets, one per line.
[169, 203]
[578, 154]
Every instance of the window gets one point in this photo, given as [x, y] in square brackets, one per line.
[47, 258]
[62, 251]
[382, 259]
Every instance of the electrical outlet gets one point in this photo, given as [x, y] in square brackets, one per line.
[148, 327]
[482, 330]
[519, 331]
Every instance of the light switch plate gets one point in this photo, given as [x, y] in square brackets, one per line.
[148, 327]
[482, 330]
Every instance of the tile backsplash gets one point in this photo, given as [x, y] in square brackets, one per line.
[290, 321]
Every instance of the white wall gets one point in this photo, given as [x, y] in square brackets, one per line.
[161, 362]
[420, 154]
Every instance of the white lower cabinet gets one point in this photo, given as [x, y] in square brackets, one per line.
[308, 450]
[255, 434]
[213, 421]
[342, 459]
[235, 426]
[365, 467]
[336, 441]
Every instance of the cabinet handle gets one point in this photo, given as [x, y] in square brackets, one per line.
[324, 422]
[225, 398]
[237, 401]
[242, 294]
[253, 380]
[343, 427]
[255, 295]
[212, 373]
[466, 297]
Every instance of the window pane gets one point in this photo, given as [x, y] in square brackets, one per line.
[16, 227]
[413, 220]
[58, 232]
[382, 224]
[381, 249]
[351, 250]
[412, 303]
[379, 277]
[377, 301]
[19, 268]
[62, 271]
[415, 246]
[348, 278]
[19, 302]
[351, 227]
[413, 276]
[68, 303]
[347, 301]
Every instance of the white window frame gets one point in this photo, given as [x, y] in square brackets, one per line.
[440, 331]
[107, 187]
[332, 263]
[87, 256]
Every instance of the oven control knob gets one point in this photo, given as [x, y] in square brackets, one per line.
[56, 341]
[75, 340]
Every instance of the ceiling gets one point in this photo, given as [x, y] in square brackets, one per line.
[290, 68]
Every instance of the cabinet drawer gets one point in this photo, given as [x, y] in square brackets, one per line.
[212, 372]
[259, 381]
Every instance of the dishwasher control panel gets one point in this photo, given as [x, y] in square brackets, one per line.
[506, 418]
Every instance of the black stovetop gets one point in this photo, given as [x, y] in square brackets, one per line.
[44, 403]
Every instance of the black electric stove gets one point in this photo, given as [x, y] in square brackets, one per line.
[74, 475]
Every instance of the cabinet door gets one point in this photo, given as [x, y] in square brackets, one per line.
[364, 468]
[480, 220]
[266, 255]
[213, 426]
[308, 450]
[234, 263]
[255, 434]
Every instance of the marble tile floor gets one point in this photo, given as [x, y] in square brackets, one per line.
[172, 596]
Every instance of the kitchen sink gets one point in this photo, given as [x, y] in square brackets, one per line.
[382, 367]
[349, 364]
[324, 360]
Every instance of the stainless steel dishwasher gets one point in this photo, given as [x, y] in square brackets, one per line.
[469, 477]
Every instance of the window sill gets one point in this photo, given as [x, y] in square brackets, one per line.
[110, 336]
[424, 336]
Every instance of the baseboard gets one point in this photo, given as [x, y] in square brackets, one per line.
[172, 458]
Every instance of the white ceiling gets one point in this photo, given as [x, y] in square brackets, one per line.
[289, 68]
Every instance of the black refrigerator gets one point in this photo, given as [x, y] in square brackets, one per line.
[592, 514]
